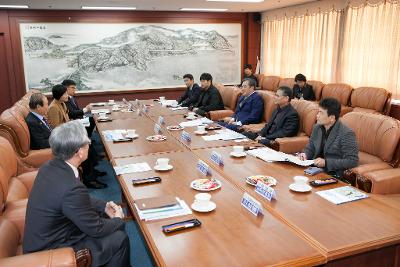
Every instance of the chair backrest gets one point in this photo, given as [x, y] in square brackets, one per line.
[9, 240]
[339, 91]
[270, 83]
[14, 128]
[8, 158]
[307, 111]
[4, 180]
[260, 78]
[289, 82]
[269, 105]
[376, 134]
[229, 94]
[317, 88]
[370, 99]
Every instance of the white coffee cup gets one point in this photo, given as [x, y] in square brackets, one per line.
[162, 162]
[162, 98]
[111, 102]
[191, 114]
[102, 115]
[238, 149]
[115, 107]
[202, 199]
[131, 133]
[300, 180]
[201, 128]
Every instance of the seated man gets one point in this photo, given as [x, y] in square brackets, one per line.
[61, 213]
[39, 127]
[332, 144]
[58, 113]
[192, 93]
[284, 121]
[249, 109]
[248, 73]
[74, 111]
[210, 98]
[302, 90]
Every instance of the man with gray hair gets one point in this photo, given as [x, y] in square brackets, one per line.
[60, 212]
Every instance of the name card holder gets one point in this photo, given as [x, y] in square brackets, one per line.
[251, 204]
[185, 136]
[203, 168]
[265, 191]
[217, 158]
[161, 120]
[157, 129]
[145, 109]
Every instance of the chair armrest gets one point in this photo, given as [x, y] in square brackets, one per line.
[28, 179]
[290, 144]
[383, 181]
[63, 257]
[220, 114]
[36, 158]
[351, 174]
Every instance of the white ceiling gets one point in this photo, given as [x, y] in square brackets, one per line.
[158, 5]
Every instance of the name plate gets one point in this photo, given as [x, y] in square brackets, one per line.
[265, 191]
[161, 120]
[157, 129]
[185, 136]
[203, 168]
[217, 158]
[145, 109]
[251, 204]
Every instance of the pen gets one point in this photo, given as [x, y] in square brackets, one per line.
[179, 227]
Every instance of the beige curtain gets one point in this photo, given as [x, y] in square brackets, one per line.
[370, 55]
[306, 44]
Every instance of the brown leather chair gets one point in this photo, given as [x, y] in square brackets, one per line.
[260, 78]
[341, 92]
[14, 128]
[308, 115]
[289, 82]
[317, 88]
[270, 83]
[269, 107]
[386, 181]
[230, 96]
[377, 137]
[11, 251]
[371, 99]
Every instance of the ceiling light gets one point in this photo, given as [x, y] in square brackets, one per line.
[243, 1]
[108, 8]
[204, 9]
[14, 6]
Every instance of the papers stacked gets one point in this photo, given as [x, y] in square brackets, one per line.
[114, 135]
[169, 103]
[342, 194]
[131, 168]
[179, 108]
[195, 123]
[225, 135]
[270, 155]
[85, 122]
[179, 209]
[97, 111]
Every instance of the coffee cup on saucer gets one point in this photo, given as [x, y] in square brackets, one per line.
[300, 184]
[131, 133]
[238, 151]
[202, 202]
[102, 115]
[162, 164]
[162, 98]
[111, 102]
[115, 108]
[191, 115]
[201, 129]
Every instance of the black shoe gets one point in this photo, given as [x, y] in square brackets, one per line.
[95, 185]
[99, 173]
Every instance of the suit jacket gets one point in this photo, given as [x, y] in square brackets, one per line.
[340, 149]
[38, 132]
[249, 110]
[209, 100]
[60, 212]
[287, 126]
[307, 92]
[57, 113]
[191, 96]
[74, 112]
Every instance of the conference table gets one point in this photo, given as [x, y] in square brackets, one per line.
[296, 229]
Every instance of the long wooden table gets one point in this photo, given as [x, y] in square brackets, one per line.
[297, 228]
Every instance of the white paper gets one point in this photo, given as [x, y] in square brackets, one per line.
[154, 214]
[169, 103]
[178, 108]
[114, 135]
[270, 155]
[342, 194]
[225, 135]
[97, 111]
[85, 122]
[132, 168]
[195, 123]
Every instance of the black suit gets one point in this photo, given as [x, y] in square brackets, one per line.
[209, 100]
[74, 112]
[306, 92]
[60, 213]
[283, 123]
[191, 96]
[38, 132]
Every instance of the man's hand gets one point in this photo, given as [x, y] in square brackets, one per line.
[113, 210]
[319, 162]
[195, 109]
[88, 108]
[302, 156]
[231, 121]
[259, 138]
[247, 128]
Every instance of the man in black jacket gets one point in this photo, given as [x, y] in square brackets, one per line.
[248, 73]
[192, 93]
[302, 90]
[284, 121]
[39, 127]
[60, 212]
[210, 98]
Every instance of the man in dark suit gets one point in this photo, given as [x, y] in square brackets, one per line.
[332, 145]
[210, 98]
[302, 90]
[248, 73]
[39, 127]
[249, 109]
[284, 121]
[192, 93]
[60, 212]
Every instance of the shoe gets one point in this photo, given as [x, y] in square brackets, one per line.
[99, 173]
[95, 185]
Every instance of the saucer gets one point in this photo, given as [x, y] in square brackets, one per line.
[200, 133]
[238, 155]
[211, 206]
[301, 188]
[191, 118]
[133, 136]
[167, 168]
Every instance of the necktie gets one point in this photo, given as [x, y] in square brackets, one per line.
[47, 124]
[73, 101]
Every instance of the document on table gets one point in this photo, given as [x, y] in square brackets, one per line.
[225, 135]
[114, 135]
[178, 108]
[132, 168]
[85, 121]
[167, 212]
[342, 194]
[195, 123]
[270, 155]
[97, 111]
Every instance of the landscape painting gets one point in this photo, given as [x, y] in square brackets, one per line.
[114, 56]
